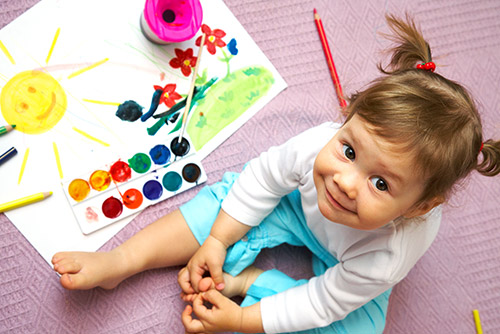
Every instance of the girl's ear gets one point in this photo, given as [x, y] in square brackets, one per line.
[423, 208]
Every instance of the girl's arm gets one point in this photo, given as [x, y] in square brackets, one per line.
[254, 195]
[211, 255]
[223, 315]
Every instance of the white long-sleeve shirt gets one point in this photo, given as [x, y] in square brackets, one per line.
[370, 262]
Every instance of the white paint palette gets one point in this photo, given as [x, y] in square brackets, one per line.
[117, 190]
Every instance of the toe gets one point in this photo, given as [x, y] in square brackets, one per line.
[67, 266]
[75, 282]
[206, 283]
[57, 257]
[67, 281]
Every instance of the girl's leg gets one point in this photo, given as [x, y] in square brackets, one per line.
[169, 241]
[166, 242]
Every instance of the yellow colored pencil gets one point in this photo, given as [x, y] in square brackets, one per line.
[24, 201]
[477, 322]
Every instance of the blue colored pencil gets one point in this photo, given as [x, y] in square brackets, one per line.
[7, 155]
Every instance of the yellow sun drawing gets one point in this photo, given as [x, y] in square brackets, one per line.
[35, 102]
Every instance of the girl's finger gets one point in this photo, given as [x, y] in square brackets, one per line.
[184, 282]
[188, 297]
[198, 305]
[195, 275]
[214, 297]
[192, 326]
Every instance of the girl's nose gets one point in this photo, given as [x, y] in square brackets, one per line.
[347, 182]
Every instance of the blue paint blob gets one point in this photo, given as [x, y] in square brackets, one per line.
[172, 181]
[155, 101]
[231, 46]
[160, 154]
[152, 190]
[129, 111]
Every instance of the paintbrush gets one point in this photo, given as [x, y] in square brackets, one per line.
[191, 88]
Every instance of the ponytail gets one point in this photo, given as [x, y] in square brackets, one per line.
[411, 47]
[490, 166]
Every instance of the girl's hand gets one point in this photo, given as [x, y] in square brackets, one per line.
[208, 259]
[211, 255]
[224, 315]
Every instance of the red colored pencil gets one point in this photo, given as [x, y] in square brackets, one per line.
[329, 59]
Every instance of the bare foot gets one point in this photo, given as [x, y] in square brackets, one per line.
[82, 271]
[234, 286]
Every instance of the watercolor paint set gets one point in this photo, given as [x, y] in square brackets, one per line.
[117, 190]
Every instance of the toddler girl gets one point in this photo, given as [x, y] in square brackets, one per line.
[363, 196]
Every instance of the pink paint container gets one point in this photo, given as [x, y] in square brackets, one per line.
[171, 21]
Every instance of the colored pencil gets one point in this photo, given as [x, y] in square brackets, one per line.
[7, 155]
[329, 59]
[191, 88]
[6, 128]
[477, 322]
[24, 201]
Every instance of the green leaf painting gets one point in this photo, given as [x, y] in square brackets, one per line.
[226, 100]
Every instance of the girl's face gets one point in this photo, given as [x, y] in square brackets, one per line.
[362, 181]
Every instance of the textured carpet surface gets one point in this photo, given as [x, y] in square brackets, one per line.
[458, 274]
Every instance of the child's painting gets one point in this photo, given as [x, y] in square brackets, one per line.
[85, 89]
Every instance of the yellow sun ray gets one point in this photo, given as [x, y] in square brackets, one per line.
[110, 130]
[102, 102]
[85, 134]
[26, 154]
[74, 74]
[53, 45]
[58, 160]
[6, 52]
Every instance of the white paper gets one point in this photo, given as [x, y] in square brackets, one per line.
[101, 55]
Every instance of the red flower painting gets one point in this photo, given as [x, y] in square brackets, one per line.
[184, 60]
[169, 95]
[213, 38]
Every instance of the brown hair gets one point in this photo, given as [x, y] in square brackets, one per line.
[424, 113]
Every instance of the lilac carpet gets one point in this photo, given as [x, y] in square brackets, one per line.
[458, 274]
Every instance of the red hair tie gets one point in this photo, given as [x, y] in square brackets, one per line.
[430, 66]
[481, 148]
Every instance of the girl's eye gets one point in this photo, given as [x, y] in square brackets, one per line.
[348, 152]
[379, 183]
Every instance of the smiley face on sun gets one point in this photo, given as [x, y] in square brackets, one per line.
[34, 101]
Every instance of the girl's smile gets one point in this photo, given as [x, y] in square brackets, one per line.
[335, 203]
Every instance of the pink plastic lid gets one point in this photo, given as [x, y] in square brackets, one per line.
[173, 20]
